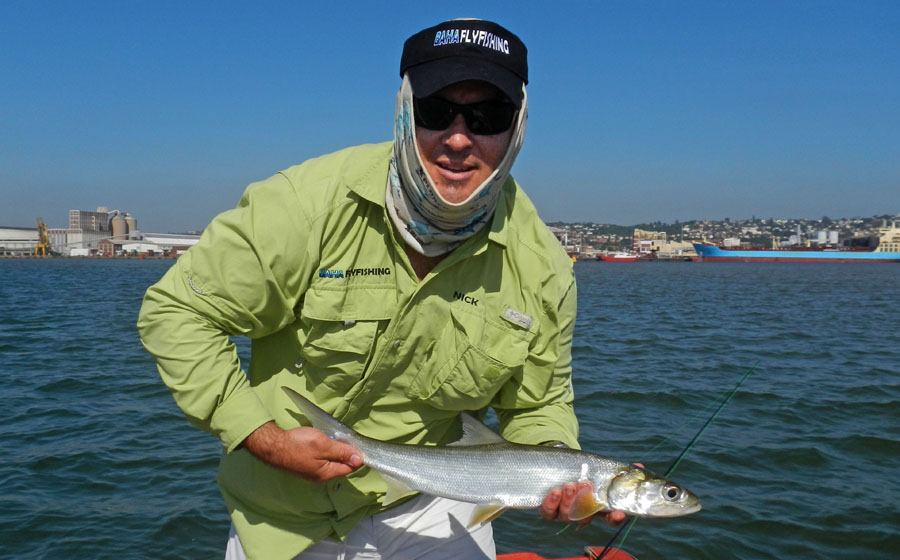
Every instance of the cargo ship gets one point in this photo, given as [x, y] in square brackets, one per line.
[886, 250]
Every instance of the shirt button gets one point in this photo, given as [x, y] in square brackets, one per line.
[396, 344]
[337, 485]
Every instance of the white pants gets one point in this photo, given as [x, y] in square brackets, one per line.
[424, 527]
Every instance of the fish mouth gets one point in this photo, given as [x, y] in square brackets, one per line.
[688, 509]
[676, 511]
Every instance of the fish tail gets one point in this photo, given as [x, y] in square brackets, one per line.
[320, 419]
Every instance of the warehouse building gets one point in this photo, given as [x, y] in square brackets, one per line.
[17, 241]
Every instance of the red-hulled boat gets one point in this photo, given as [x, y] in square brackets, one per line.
[590, 553]
[618, 257]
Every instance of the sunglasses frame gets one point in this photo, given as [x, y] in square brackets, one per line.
[441, 114]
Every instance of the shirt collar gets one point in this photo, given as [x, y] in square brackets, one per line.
[369, 180]
[499, 223]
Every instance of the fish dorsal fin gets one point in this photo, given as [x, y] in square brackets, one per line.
[584, 504]
[396, 489]
[476, 433]
[485, 513]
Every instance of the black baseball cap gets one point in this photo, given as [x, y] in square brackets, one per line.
[465, 49]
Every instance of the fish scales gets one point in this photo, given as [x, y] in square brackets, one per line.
[518, 476]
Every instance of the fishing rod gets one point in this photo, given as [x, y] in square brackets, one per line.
[627, 526]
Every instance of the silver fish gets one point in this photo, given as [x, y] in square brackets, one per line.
[483, 468]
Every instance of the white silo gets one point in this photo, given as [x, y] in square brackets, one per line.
[131, 222]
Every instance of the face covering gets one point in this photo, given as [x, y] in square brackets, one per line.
[426, 221]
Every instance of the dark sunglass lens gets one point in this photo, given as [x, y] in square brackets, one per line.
[478, 121]
[434, 113]
[490, 117]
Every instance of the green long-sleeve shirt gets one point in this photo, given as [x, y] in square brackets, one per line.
[309, 267]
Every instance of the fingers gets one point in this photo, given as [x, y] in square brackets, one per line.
[550, 507]
[557, 505]
[569, 491]
[328, 470]
[612, 518]
[340, 452]
[320, 458]
[305, 452]
[339, 459]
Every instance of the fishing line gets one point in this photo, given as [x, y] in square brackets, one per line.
[627, 526]
[710, 420]
[701, 413]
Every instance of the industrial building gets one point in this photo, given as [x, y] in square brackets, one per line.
[656, 244]
[92, 233]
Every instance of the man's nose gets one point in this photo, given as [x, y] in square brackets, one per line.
[457, 136]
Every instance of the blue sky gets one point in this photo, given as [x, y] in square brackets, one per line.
[639, 111]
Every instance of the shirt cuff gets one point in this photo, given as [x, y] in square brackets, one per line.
[554, 443]
[238, 417]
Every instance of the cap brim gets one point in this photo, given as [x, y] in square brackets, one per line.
[429, 78]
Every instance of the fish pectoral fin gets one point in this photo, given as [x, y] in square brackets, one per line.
[584, 504]
[476, 433]
[485, 513]
[396, 490]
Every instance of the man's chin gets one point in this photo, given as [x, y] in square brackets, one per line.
[455, 194]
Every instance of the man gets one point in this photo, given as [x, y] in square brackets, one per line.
[395, 285]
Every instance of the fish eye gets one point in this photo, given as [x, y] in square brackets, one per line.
[671, 492]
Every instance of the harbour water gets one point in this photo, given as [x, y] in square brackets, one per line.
[99, 463]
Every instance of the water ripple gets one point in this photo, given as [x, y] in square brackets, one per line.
[100, 463]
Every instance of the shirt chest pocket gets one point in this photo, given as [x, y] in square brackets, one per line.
[337, 332]
[473, 357]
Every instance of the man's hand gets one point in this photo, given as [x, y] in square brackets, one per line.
[558, 503]
[305, 452]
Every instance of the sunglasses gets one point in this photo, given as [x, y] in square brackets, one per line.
[482, 118]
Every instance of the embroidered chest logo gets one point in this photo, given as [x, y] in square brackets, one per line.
[351, 272]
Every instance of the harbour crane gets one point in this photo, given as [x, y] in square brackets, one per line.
[43, 248]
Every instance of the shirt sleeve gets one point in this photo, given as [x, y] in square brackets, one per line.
[538, 405]
[244, 277]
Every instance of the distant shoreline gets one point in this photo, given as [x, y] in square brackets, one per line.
[90, 257]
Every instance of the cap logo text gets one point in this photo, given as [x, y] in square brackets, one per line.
[475, 36]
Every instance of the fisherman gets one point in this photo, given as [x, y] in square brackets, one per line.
[395, 285]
